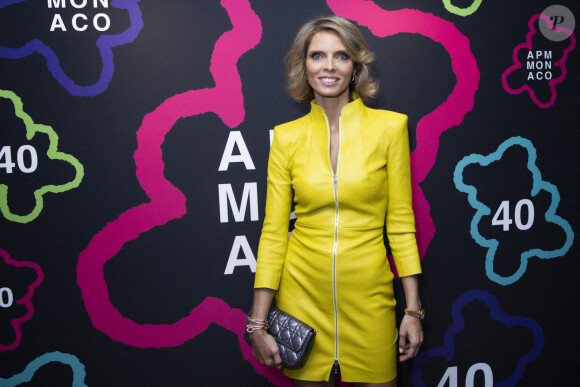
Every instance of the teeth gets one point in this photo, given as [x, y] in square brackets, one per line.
[328, 80]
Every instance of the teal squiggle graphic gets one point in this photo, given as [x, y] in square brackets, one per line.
[482, 210]
[25, 376]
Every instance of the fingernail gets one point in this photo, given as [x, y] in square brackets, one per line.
[400, 350]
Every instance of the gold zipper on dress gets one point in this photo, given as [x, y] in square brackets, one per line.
[334, 274]
[336, 366]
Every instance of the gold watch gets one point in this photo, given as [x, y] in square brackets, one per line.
[420, 314]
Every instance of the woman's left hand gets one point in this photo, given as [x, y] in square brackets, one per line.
[410, 337]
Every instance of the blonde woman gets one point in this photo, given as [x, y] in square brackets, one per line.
[347, 168]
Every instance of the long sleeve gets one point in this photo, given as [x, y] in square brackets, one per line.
[400, 220]
[274, 239]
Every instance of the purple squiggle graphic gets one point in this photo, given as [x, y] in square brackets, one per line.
[105, 43]
[6, 3]
[448, 349]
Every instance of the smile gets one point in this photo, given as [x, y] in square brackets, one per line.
[328, 81]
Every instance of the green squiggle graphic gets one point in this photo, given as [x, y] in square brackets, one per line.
[52, 153]
[462, 11]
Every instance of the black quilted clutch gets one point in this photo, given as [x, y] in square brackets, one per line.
[294, 337]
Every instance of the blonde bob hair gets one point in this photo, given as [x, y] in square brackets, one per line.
[296, 80]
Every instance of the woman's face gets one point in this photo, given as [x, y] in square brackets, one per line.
[329, 67]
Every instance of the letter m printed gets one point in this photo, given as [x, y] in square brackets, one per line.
[226, 195]
[56, 3]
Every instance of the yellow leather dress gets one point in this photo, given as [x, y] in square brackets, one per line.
[333, 272]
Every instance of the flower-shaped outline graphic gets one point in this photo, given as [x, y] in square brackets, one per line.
[105, 44]
[528, 45]
[31, 130]
[482, 210]
[448, 349]
[77, 368]
[26, 300]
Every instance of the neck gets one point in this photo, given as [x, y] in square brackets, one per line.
[332, 106]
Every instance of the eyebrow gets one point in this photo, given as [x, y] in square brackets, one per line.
[322, 51]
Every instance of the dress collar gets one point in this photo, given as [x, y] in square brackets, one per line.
[351, 112]
[351, 139]
[350, 108]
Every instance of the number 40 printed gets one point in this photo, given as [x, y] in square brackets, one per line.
[502, 215]
[451, 376]
[6, 298]
[7, 163]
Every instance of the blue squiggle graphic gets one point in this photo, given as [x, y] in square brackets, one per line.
[6, 3]
[105, 43]
[25, 376]
[482, 210]
[448, 349]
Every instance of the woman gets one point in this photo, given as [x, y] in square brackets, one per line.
[348, 168]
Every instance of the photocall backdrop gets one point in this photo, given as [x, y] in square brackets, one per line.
[134, 144]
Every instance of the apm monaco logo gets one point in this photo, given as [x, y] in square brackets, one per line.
[539, 63]
[80, 21]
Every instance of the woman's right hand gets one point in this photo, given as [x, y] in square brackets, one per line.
[265, 349]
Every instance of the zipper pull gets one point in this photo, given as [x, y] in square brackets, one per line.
[336, 367]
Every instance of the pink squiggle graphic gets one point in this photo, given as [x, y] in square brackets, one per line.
[384, 23]
[26, 300]
[168, 203]
[528, 44]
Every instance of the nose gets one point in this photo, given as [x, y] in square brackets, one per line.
[329, 64]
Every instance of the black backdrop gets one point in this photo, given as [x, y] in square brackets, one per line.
[115, 259]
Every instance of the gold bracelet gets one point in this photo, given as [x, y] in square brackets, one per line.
[258, 322]
[252, 328]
